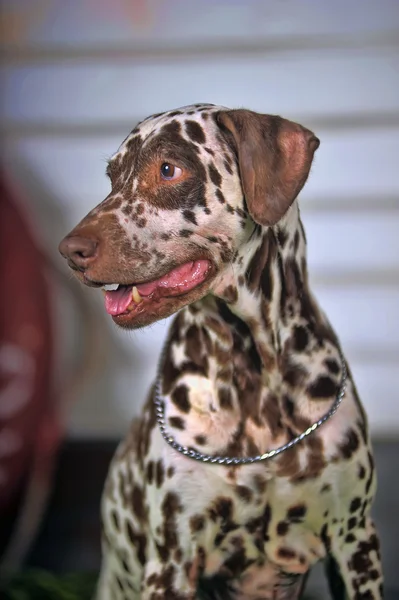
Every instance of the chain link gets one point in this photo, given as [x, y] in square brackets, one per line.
[242, 460]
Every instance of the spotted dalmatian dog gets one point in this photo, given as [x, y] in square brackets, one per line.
[251, 460]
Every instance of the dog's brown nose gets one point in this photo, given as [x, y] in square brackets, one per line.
[78, 250]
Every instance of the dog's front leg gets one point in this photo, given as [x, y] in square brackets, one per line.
[354, 568]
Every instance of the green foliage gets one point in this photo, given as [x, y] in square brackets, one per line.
[41, 585]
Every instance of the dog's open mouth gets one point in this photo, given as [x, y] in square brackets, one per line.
[123, 299]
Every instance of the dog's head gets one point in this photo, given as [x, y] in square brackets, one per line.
[188, 188]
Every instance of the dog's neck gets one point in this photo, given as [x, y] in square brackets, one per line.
[239, 359]
[267, 285]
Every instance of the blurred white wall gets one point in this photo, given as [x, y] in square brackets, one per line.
[77, 76]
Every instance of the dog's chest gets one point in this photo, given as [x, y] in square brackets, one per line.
[209, 508]
[226, 513]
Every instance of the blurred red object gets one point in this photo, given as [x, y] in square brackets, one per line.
[30, 426]
[37, 384]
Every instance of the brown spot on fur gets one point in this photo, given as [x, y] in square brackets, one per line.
[178, 555]
[195, 132]
[244, 492]
[257, 264]
[164, 582]
[222, 356]
[282, 528]
[159, 473]
[286, 553]
[197, 523]
[316, 460]
[350, 445]
[195, 347]
[325, 537]
[361, 561]
[220, 196]
[352, 522]
[112, 205]
[150, 472]
[259, 483]
[138, 541]
[300, 338]
[370, 478]
[221, 508]
[214, 174]
[361, 472]
[293, 373]
[228, 167]
[127, 210]
[288, 464]
[190, 216]
[177, 423]
[355, 505]
[332, 366]
[323, 387]
[221, 329]
[186, 233]
[225, 398]
[170, 507]
[230, 294]
[282, 237]
[201, 440]
[237, 562]
[180, 398]
[297, 513]
[138, 505]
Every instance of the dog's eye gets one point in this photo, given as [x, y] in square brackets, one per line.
[169, 171]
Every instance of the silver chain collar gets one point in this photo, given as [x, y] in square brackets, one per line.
[238, 460]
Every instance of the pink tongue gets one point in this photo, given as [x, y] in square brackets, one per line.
[117, 302]
[180, 280]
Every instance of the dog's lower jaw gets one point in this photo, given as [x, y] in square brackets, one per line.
[145, 313]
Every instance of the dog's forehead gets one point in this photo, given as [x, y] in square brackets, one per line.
[185, 115]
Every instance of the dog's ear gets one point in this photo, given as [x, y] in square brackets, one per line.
[274, 157]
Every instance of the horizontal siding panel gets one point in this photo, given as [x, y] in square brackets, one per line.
[350, 123]
[366, 319]
[347, 242]
[73, 172]
[88, 23]
[377, 385]
[350, 164]
[86, 92]
[222, 49]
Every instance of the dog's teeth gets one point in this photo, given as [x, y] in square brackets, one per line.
[136, 296]
[110, 287]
